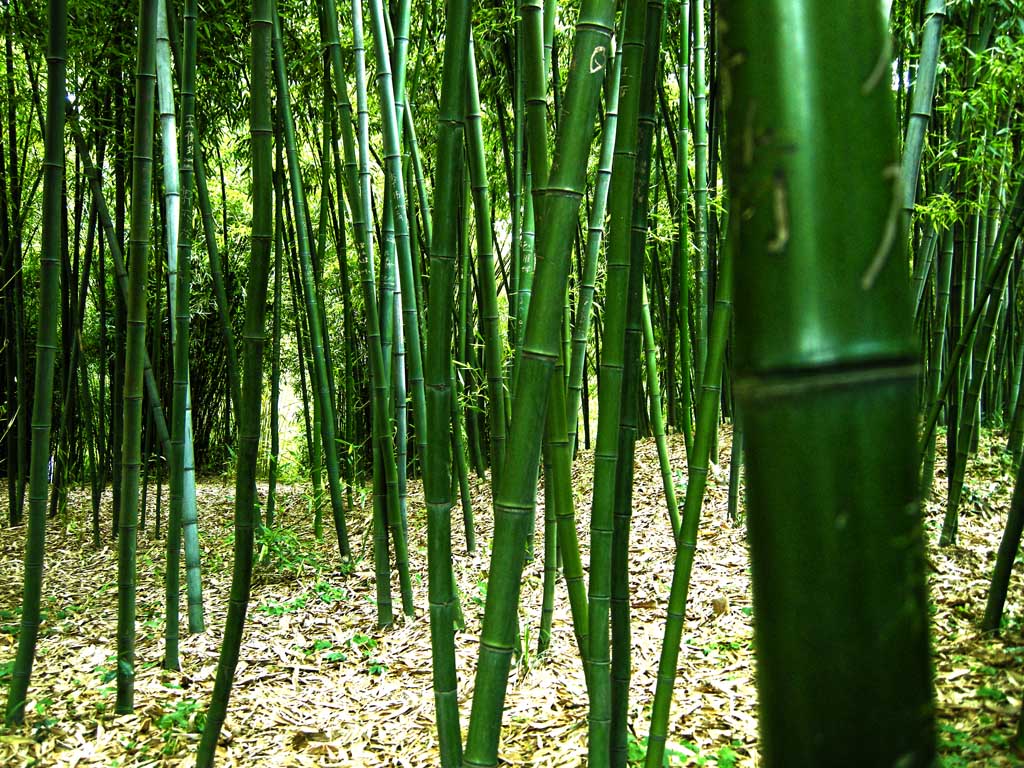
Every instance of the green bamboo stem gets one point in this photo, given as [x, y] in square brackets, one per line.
[531, 25]
[275, 364]
[254, 338]
[515, 499]
[348, 315]
[121, 276]
[921, 102]
[621, 640]
[657, 418]
[90, 439]
[169, 156]
[595, 236]
[686, 543]
[735, 469]
[400, 399]
[417, 246]
[141, 213]
[190, 511]
[381, 564]
[1015, 441]
[437, 482]
[71, 398]
[1009, 546]
[393, 168]
[322, 389]
[981, 351]
[385, 471]
[700, 192]
[172, 203]
[682, 241]
[526, 266]
[995, 273]
[827, 397]
[925, 258]
[493, 347]
[462, 468]
[386, 303]
[610, 384]
[192, 573]
[516, 199]
[558, 444]
[121, 176]
[621, 670]
[419, 176]
[181, 341]
[310, 422]
[550, 568]
[343, 108]
[217, 273]
[46, 351]
[17, 437]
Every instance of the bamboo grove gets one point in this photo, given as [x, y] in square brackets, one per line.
[475, 239]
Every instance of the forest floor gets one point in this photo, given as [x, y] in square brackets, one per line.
[319, 685]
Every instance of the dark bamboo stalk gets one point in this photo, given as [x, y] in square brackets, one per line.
[254, 337]
[46, 350]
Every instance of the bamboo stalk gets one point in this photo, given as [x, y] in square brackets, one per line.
[46, 350]
[254, 338]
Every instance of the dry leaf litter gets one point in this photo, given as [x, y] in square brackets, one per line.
[319, 685]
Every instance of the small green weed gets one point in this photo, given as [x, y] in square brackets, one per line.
[481, 597]
[319, 645]
[363, 643]
[282, 550]
[43, 705]
[183, 717]
[992, 694]
[274, 608]
[675, 754]
[329, 593]
[727, 757]
[366, 646]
